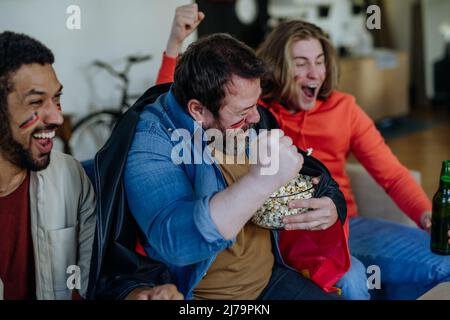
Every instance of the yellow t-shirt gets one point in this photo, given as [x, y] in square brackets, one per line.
[242, 271]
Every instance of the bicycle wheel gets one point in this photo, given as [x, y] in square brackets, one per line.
[91, 132]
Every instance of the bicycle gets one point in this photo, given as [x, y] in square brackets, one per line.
[96, 127]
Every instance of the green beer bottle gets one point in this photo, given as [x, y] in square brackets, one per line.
[441, 213]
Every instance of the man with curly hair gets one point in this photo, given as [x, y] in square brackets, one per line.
[46, 207]
[47, 219]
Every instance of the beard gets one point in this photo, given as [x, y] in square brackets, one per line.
[234, 141]
[15, 153]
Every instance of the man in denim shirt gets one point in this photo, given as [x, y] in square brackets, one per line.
[194, 209]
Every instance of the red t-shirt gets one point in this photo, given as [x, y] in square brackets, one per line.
[16, 249]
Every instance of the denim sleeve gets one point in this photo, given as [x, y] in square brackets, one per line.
[175, 222]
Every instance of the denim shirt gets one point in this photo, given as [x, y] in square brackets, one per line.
[169, 201]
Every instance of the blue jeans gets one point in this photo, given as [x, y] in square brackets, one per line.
[286, 284]
[353, 284]
[408, 267]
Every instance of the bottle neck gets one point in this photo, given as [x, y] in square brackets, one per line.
[445, 183]
[445, 171]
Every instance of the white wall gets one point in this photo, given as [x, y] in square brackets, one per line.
[435, 12]
[110, 30]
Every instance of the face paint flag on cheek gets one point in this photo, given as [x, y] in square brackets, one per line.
[30, 121]
[238, 125]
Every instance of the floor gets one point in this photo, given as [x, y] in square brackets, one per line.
[440, 292]
[424, 148]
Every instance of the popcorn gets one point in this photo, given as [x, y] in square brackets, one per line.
[271, 213]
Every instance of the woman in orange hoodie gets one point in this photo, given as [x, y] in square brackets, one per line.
[301, 93]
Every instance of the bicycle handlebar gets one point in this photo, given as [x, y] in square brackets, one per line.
[123, 75]
[138, 59]
[132, 59]
[108, 68]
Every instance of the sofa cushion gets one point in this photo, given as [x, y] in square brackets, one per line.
[371, 199]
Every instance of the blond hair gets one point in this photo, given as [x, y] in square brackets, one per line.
[276, 51]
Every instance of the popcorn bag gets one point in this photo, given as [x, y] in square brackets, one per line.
[321, 256]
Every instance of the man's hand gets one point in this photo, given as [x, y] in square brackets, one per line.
[315, 180]
[231, 208]
[425, 221]
[186, 20]
[278, 160]
[322, 217]
[163, 292]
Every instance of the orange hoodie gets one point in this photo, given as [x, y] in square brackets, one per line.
[334, 128]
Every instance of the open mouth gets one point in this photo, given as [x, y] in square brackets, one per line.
[44, 140]
[310, 90]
